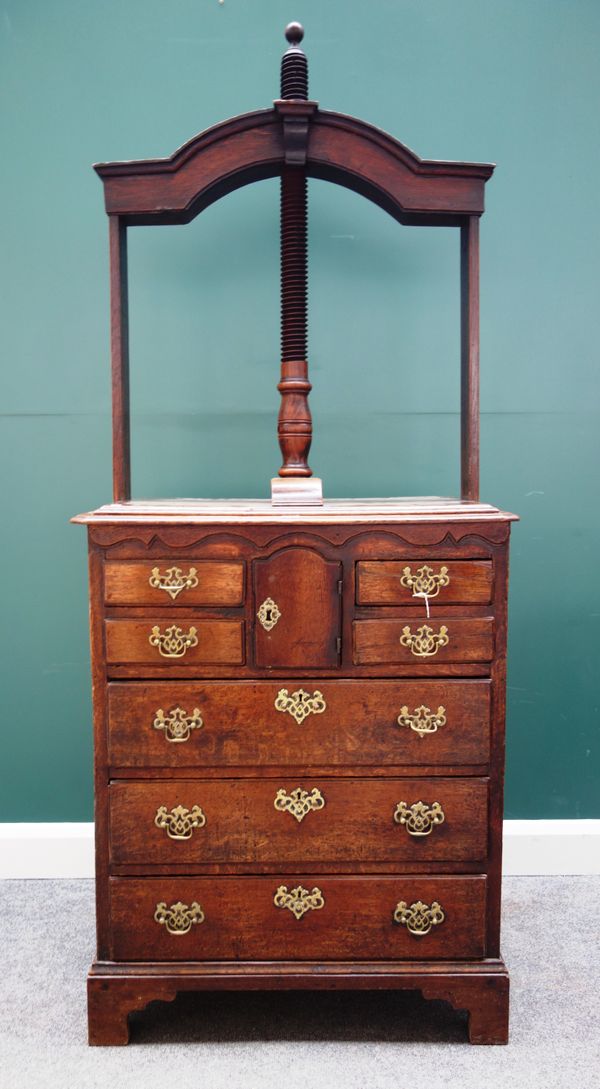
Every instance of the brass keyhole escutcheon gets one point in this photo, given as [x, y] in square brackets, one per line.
[298, 802]
[299, 900]
[300, 704]
[269, 613]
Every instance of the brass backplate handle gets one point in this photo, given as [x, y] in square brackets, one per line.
[300, 704]
[299, 900]
[298, 802]
[420, 818]
[425, 583]
[173, 581]
[419, 918]
[174, 642]
[178, 918]
[179, 822]
[424, 643]
[177, 725]
[422, 720]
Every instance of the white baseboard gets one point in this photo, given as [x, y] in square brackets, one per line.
[530, 847]
[46, 850]
[551, 847]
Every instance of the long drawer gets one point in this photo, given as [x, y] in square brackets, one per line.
[299, 723]
[286, 918]
[305, 819]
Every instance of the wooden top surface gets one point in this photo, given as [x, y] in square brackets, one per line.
[428, 508]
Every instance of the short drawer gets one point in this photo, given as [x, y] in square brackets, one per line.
[409, 640]
[161, 582]
[284, 917]
[181, 641]
[445, 582]
[301, 819]
[308, 723]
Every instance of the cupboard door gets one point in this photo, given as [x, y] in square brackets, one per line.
[298, 613]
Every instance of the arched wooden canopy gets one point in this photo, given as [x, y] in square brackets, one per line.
[330, 146]
[251, 147]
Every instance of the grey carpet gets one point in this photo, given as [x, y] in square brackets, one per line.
[302, 1040]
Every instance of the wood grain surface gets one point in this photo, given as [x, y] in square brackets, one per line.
[355, 822]
[242, 728]
[219, 641]
[378, 641]
[380, 582]
[242, 921]
[306, 588]
[217, 583]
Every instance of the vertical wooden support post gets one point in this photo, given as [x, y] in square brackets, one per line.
[119, 349]
[469, 380]
[294, 427]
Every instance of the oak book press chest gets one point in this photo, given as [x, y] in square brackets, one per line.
[298, 704]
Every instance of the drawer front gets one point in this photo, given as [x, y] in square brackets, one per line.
[404, 582]
[179, 641]
[408, 640]
[245, 724]
[161, 582]
[304, 819]
[287, 918]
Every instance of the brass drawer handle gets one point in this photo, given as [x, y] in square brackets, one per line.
[425, 583]
[173, 581]
[422, 720]
[419, 819]
[173, 642]
[425, 642]
[299, 802]
[419, 918]
[269, 613]
[299, 900]
[178, 918]
[180, 822]
[300, 704]
[178, 725]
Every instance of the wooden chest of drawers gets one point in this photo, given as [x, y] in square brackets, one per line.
[299, 730]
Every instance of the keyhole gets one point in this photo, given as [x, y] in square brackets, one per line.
[269, 617]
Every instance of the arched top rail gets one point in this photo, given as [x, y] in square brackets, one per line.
[251, 147]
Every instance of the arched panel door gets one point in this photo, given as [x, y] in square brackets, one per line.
[298, 610]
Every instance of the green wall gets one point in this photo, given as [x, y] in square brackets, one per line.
[516, 82]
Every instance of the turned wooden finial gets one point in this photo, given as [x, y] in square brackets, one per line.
[294, 33]
[294, 65]
[294, 427]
